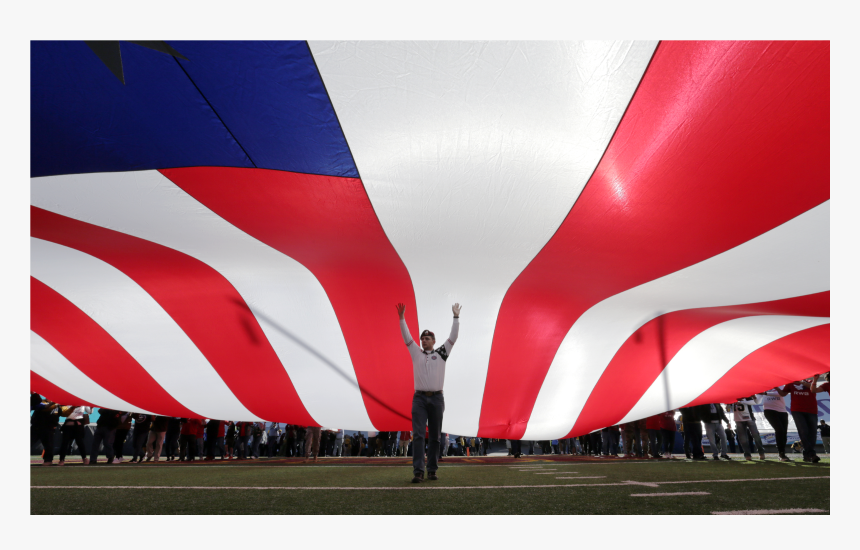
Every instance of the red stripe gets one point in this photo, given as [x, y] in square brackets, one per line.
[328, 225]
[55, 394]
[721, 143]
[91, 349]
[793, 357]
[641, 359]
[201, 301]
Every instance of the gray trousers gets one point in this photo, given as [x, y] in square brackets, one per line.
[713, 429]
[426, 411]
[744, 440]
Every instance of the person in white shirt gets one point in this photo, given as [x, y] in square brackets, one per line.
[338, 443]
[73, 429]
[745, 420]
[777, 415]
[428, 403]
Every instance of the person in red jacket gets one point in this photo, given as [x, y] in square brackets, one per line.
[804, 411]
[188, 439]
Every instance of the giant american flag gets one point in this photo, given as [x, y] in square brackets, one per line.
[223, 229]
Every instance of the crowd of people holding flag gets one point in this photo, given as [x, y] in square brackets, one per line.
[189, 439]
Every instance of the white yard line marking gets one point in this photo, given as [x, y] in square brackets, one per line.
[543, 473]
[580, 477]
[736, 480]
[314, 488]
[668, 494]
[626, 484]
[770, 512]
[646, 484]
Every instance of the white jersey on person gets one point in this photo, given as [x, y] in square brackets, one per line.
[743, 410]
[428, 367]
[79, 412]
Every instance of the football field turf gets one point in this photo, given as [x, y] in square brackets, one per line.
[478, 485]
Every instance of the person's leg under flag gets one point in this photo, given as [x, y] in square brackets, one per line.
[419, 421]
[435, 410]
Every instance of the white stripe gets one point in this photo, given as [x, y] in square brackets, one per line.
[53, 366]
[710, 355]
[771, 512]
[139, 324]
[472, 155]
[697, 493]
[289, 302]
[790, 260]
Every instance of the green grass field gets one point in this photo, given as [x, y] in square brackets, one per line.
[541, 485]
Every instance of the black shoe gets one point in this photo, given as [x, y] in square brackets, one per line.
[418, 478]
[699, 458]
[816, 459]
[431, 476]
[518, 455]
[726, 457]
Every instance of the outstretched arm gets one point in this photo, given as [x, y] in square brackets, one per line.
[455, 329]
[815, 388]
[404, 330]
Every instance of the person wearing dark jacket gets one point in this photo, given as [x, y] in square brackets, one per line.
[713, 417]
[120, 436]
[692, 433]
[73, 430]
[730, 437]
[171, 438]
[142, 424]
[43, 425]
[109, 420]
[213, 439]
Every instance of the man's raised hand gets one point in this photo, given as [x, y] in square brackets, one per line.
[401, 309]
[456, 309]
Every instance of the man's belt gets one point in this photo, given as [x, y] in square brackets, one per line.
[428, 393]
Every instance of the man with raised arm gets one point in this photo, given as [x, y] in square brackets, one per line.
[428, 403]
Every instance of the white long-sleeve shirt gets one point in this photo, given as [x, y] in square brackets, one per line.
[79, 412]
[428, 368]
